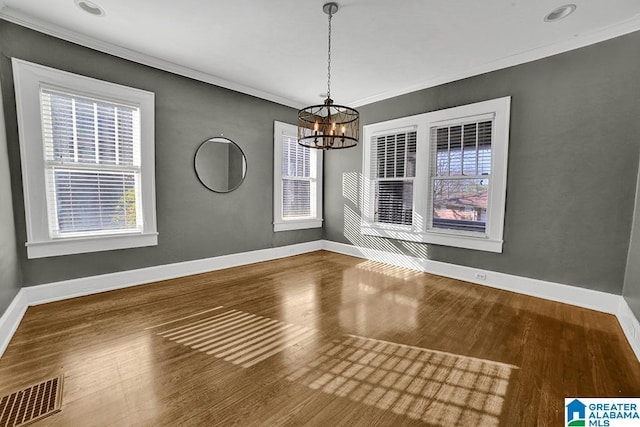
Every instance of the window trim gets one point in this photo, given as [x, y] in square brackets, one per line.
[286, 224]
[420, 231]
[28, 80]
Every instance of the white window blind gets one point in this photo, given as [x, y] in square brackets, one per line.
[297, 179]
[88, 164]
[460, 175]
[394, 166]
[92, 165]
[439, 177]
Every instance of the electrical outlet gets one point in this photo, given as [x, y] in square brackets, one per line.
[481, 276]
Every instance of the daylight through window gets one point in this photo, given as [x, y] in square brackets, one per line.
[92, 162]
[461, 174]
[439, 177]
[395, 171]
[297, 181]
[88, 164]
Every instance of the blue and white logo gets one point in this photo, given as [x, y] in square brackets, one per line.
[602, 412]
[576, 413]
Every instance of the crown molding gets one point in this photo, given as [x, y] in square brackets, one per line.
[577, 41]
[17, 17]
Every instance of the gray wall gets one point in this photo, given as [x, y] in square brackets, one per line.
[193, 222]
[573, 161]
[572, 168]
[9, 264]
[631, 290]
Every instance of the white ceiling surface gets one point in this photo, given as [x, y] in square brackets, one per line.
[277, 49]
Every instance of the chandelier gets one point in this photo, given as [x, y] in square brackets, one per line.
[328, 126]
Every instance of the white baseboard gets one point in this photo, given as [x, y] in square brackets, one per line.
[573, 295]
[630, 325]
[595, 300]
[11, 318]
[41, 294]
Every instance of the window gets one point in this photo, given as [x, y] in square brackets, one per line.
[395, 171]
[439, 177]
[87, 151]
[460, 176]
[297, 181]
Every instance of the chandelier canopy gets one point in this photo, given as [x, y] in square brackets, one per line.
[328, 126]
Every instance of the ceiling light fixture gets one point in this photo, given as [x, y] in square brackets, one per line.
[90, 8]
[328, 126]
[560, 13]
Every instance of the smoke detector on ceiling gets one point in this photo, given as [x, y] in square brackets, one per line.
[90, 7]
[560, 13]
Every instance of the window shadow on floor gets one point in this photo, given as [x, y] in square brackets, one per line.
[435, 387]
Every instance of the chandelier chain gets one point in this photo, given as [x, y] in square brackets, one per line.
[329, 60]
[328, 126]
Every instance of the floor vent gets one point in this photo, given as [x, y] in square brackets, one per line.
[32, 403]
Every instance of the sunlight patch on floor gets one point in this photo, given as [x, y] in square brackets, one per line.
[240, 338]
[436, 387]
[389, 270]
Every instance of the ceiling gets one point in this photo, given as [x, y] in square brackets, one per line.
[277, 49]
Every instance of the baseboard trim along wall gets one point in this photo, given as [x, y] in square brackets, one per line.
[11, 319]
[630, 325]
[56, 291]
[587, 298]
[595, 300]
[41, 294]
[573, 295]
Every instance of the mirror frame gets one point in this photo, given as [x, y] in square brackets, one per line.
[226, 140]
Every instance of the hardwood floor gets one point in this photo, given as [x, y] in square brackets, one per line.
[318, 339]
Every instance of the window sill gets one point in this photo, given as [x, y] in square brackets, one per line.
[79, 245]
[455, 240]
[297, 224]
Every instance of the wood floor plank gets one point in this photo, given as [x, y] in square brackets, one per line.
[318, 339]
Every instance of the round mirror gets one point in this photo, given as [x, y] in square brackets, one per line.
[220, 165]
